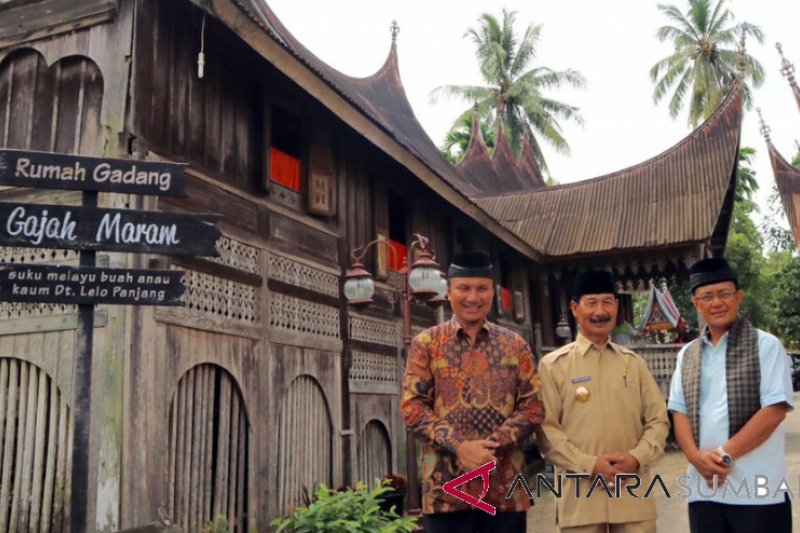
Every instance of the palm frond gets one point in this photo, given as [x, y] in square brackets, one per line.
[675, 15]
[679, 93]
[470, 93]
[699, 15]
[527, 50]
[545, 78]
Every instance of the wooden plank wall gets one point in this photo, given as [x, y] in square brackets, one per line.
[305, 447]
[375, 453]
[35, 448]
[54, 96]
[188, 428]
[53, 108]
[208, 455]
[214, 122]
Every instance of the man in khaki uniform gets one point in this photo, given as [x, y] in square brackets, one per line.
[604, 415]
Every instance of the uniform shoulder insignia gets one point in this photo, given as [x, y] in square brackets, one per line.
[625, 349]
[555, 354]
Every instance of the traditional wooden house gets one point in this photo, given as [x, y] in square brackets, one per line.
[787, 177]
[266, 383]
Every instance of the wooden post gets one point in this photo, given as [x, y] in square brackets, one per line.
[413, 503]
[82, 403]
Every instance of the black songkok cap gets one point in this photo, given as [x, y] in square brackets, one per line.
[599, 282]
[470, 265]
[712, 270]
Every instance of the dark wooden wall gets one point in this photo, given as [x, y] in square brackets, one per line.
[50, 108]
[213, 122]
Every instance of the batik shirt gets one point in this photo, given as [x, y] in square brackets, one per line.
[457, 390]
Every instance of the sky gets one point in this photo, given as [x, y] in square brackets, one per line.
[611, 43]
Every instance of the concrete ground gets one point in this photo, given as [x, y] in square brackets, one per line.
[672, 513]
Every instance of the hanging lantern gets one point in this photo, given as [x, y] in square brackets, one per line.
[562, 328]
[424, 278]
[441, 296]
[358, 285]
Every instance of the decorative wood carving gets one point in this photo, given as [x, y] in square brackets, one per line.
[221, 298]
[295, 273]
[379, 332]
[302, 316]
[373, 367]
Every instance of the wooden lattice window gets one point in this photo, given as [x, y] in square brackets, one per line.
[35, 451]
[209, 450]
[375, 453]
[305, 440]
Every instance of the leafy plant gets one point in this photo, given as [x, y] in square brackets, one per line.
[345, 511]
[218, 525]
[394, 482]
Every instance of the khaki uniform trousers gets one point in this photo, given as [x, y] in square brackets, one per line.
[647, 526]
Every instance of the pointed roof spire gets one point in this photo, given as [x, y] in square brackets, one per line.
[787, 69]
[528, 165]
[476, 165]
[763, 128]
[742, 65]
[504, 161]
[476, 135]
[787, 178]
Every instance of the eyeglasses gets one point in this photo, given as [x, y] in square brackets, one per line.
[708, 297]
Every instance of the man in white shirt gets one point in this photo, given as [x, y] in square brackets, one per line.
[730, 392]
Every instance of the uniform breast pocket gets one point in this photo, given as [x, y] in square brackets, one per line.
[629, 387]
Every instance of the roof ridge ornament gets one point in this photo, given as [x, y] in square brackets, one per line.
[742, 64]
[787, 68]
[763, 128]
[395, 29]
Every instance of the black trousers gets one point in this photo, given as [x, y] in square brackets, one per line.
[474, 522]
[712, 517]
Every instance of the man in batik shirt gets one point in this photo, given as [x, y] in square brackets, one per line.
[472, 396]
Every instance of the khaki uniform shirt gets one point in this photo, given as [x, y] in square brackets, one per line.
[625, 412]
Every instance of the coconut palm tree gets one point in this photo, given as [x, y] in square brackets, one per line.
[514, 91]
[708, 51]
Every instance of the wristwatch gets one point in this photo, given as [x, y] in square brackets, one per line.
[726, 458]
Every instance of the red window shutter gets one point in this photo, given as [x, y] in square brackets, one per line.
[284, 169]
[397, 255]
[506, 299]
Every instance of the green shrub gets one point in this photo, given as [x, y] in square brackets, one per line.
[344, 512]
[218, 525]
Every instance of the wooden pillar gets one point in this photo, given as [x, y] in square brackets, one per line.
[545, 305]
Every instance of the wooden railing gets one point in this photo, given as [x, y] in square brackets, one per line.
[661, 359]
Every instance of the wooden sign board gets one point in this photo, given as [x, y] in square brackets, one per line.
[116, 230]
[46, 170]
[89, 285]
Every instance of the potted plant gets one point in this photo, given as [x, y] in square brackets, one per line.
[354, 509]
[396, 495]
